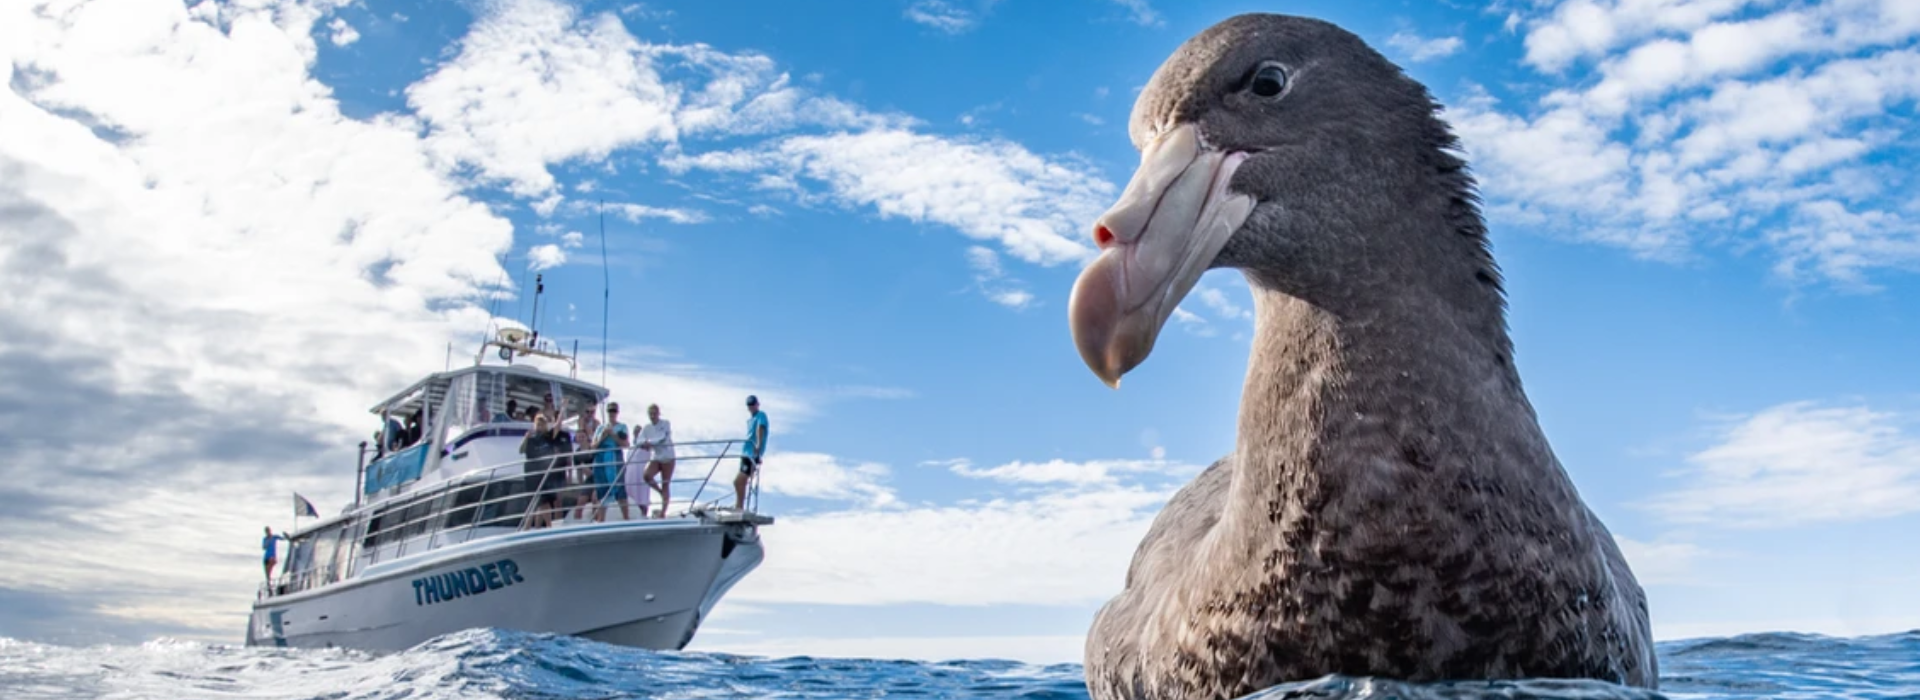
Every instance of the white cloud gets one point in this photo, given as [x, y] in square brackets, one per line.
[989, 190]
[1696, 126]
[586, 90]
[1217, 300]
[1141, 12]
[1065, 547]
[545, 256]
[984, 261]
[1192, 322]
[535, 83]
[820, 476]
[639, 212]
[1059, 471]
[940, 15]
[1801, 463]
[1661, 562]
[1420, 49]
[573, 239]
[1067, 537]
[991, 278]
[519, 95]
[1012, 299]
[703, 403]
[1581, 28]
[341, 33]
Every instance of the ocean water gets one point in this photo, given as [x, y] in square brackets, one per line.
[495, 664]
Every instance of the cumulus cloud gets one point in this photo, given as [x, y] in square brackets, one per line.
[990, 190]
[545, 257]
[1668, 125]
[1217, 300]
[1801, 463]
[1067, 537]
[941, 15]
[1060, 471]
[991, 279]
[1661, 562]
[341, 33]
[641, 212]
[1012, 299]
[510, 104]
[822, 476]
[510, 112]
[589, 87]
[1141, 12]
[1582, 28]
[1418, 48]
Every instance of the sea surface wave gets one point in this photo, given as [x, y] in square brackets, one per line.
[501, 664]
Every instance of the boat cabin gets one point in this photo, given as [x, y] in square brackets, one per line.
[445, 468]
[466, 423]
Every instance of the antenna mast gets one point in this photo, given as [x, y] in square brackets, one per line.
[606, 292]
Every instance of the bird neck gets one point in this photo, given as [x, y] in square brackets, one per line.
[1339, 406]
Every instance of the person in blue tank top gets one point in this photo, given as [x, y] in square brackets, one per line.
[610, 444]
[752, 453]
[271, 543]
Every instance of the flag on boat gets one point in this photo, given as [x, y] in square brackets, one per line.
[302, 506]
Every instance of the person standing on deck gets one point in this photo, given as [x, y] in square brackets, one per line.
[582, 461]
[271, 544]
[610, 443]
[540, 445]
[752, 453]
[656, 444]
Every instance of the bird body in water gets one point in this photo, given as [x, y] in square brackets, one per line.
[1391, 507]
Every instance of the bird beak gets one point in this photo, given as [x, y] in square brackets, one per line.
[1155, 243]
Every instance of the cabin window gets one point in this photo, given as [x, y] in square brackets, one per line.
[465, 500]
[380, 528]
[322, 559]
[506, 503]
[342, 554]
[415, 518]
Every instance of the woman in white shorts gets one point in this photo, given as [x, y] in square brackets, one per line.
[656, 442]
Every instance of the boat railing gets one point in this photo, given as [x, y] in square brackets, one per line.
[500, 499]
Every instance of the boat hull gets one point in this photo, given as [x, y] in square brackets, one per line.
[645, 584]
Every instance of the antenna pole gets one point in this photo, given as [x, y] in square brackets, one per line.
[539, 288]
[606, 292]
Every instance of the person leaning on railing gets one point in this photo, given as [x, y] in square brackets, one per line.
[656, 447]
[752, 452]
[271, 553]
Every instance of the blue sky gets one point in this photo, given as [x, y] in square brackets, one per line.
[231, 227]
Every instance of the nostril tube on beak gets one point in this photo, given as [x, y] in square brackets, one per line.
[1102, 236]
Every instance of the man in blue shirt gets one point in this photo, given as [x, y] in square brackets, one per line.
[751, 453]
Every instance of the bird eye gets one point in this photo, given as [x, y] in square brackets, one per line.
[1269, 80]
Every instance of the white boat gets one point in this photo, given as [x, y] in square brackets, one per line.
[439, 537]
